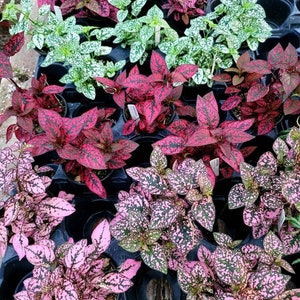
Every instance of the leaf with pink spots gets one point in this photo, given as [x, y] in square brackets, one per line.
[291, 189]
[158, 159]
[268, 283]
[267, 163]
[252, 215]
[153, 182]
[154, 257]
[75, 255]
[164, 213]
[39, 254]
[204, 214]
[280, 148]
[229, 266]
[273, 245]
[222, 239]
[239, 196]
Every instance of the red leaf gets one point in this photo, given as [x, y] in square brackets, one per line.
[276, 56]
[257, 66]
[265, 126]
[257, 92]
[151, 111]
[171, 145]
[201, 137]
[236, 137]
[291, 106]
[5, 66]
[14, 44]
[158, 64]
[129, 127]
[94, 184]
[231, 103]
[223, 77]
[186, 70]
[234, 158]
[207, 111]
[91, 157]
[290, 55]
[53, 89]
[51, 122]
[290, 81]
[138, 81]
[239, 125]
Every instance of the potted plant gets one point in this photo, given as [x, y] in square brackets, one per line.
[213, 41]
[269, 192]
[77, 270]
[25, 105]
[79, 48]
[143, 34]
[85, 145]
[209, 138]
[149, 101]
[230, 273]
[159, 214]
[28, 213]
[263, 89]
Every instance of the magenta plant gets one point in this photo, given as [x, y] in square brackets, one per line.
[84, 143]
[231, 273]
[270, 192]
[154, 96]
[28, 213]
[209, 137]
[76, 270]
[263, 89]
[184, 10]
[160, 216]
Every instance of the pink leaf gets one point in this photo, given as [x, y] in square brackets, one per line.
[39, 255]
[92, 157]
[19, 241]
[94, 184]
[116, 283]
[171, 145]
[57, 207]
[129, 268]
[67, 292]
[101, 236]
[75, 255]
[201, 137]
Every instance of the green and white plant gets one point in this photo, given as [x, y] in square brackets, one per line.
[144, 34]
[214, 41]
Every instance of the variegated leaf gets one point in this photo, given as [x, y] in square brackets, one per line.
[115, 283]
[39, 255]
[158, 159]
[164, 213]
[75, 256]
[19, 241]
[268, 283]
[129, 268]
[101, 236]
[155, 257]
[204, 214]
[273, 245]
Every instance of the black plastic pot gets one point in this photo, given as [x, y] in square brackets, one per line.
[277, 11]
[151, 284]
[284, 38]
[295, 278]
[12, 272]
[88, 214]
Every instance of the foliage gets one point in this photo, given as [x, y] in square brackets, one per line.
[161, 214]
[25, 106]
[184, 10]
[143, 34]
[231, 273]
[208, 137]
[263, 89]
[213, 41]
[28, 213]
[76, 270]
[269, 192]
[78, 47]
[84, 143]
[153, 96]
[128, 8]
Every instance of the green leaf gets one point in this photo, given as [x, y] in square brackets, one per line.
[121, 15]
[136, 51]
[137, 6]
